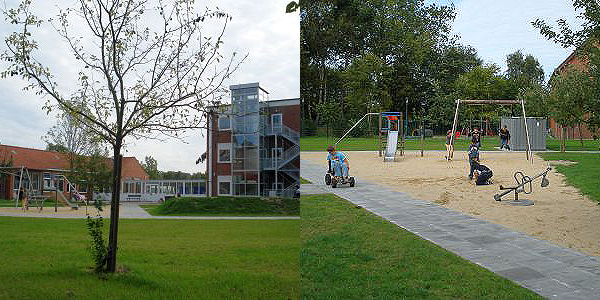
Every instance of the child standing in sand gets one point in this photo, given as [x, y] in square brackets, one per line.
[449, 145]
[473, 158]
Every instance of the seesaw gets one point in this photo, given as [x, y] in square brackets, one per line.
[522, 181]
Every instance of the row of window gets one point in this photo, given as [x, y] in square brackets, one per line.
[244, 157]
[242, 189]
[50, 182]
[167, 187]
[224, 122]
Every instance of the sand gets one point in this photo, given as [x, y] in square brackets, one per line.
[561, 214]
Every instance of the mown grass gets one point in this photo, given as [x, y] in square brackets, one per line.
[572, 145]
[11, 203]
[583, 175]
[226, 206]
[311, 143]
[304, 181]
[350, 253]
[163, 259]
[7, 203]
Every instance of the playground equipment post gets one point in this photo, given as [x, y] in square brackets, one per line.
[55, 195]
[422, 136]
[380, 141]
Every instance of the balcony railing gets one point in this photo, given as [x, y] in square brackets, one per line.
[284, 131]
[286, 157]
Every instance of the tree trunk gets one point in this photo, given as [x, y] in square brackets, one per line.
[580, 136]
[111, 259]
[563, 139]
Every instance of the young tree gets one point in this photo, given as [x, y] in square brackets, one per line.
[146, 68]
[72, 137]
[570, 92]
[586, 41]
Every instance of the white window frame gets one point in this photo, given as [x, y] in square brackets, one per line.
[224, 179]
[280, 117]
[219, 123]
[224, 146]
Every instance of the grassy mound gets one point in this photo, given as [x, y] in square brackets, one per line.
[231, 206]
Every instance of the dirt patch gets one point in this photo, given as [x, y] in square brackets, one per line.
[561, 214]
[562, 163]
[444, 198]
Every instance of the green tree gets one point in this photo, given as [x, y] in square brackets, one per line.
[523, 72]
[586, 42]
[570, 92]
[339, 35]
[92, 171]
[56, 147]
[151, 167]
[145, 68]
[72, 137]
[536, 100]
[487, 83]
[366, 84]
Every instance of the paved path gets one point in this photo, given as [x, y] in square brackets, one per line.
[134, 211]
[549, 270]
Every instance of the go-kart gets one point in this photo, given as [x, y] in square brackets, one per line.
[334, 181]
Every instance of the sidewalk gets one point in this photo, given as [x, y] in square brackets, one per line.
[133, 210]
[549, 270]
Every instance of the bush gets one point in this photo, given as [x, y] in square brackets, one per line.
[230, 205]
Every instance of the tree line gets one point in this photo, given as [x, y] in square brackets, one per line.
[370, 56]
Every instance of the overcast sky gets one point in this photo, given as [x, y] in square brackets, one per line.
[261, 29]
[497, 28]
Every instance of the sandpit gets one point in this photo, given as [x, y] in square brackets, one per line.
[561, 214]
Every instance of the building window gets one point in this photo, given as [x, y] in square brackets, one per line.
[224, 185]
[224, 123]
[276, 121]
[224, 152]
[48, 184]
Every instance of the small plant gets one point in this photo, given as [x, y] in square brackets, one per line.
[98, 248]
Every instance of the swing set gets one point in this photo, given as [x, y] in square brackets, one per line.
[498, 102]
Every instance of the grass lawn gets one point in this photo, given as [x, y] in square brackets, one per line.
[304, 181]
[226, 206]
[164, 259]
[349, 253]
[7, 203]
[311, 143]
[11, 203]
[572, 145]
[583, 175]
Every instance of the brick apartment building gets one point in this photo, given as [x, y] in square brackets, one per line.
[253, 145]
[45, 170]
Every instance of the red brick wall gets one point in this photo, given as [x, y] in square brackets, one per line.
[223, 169]
[291, 115]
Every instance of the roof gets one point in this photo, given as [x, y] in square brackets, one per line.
[35, 158]
[131, 169]
[268, 103]
[44, 160]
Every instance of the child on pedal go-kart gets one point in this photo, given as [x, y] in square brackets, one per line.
[339, 165]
